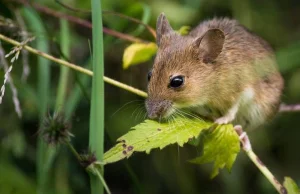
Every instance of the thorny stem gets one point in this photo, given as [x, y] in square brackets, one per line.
[246, 145]
[80, 21]
[75, 67]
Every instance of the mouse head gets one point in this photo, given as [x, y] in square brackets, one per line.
[184, 68]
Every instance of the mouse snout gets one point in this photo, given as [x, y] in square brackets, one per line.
[157, 108]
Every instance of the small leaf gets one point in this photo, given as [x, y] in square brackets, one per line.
[137, 53]
[221, 146]
[151, 134]
[291, 186]
[184, 30]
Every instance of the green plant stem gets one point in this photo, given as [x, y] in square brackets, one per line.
[60, 105]
[75, 67]
[77, 93]
[64, 71]
[265, 171]
[96, 134]
[103, 181]
[246, 145]
[45, 155]
[73, 150]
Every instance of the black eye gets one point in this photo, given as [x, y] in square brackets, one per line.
[176, 81]
[149, 75]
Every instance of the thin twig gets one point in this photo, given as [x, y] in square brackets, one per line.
[289, 108]
[283, 108]
[72, 8]
[79, 21]
[246, 145]
[149, 28]
[75, 67]
[73, 150]
[266, 172]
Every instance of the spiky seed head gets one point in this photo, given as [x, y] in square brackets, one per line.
[55, 129]
[87, 158]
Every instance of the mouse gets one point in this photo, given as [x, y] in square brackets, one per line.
[220, 71]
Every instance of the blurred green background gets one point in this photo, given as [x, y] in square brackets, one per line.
[166, 171]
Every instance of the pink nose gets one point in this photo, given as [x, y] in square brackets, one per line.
[157, 108]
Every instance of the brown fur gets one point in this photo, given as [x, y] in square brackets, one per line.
[245, 60]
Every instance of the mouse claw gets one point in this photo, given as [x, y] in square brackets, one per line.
[244, 139]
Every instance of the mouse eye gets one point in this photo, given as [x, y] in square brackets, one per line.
[149, 75]
[176, 81]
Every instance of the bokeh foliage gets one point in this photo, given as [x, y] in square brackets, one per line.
[163, 171]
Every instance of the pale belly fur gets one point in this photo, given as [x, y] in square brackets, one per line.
[245, 112]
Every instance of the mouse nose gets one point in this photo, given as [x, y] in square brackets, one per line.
[157, 108]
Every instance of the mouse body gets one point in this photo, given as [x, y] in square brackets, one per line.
[220, 70]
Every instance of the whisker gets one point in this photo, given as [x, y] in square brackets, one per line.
[190, 115]
[141, 110]
[145, 116]
[173, 124]
[136, 110]
[124, 107]
[159, 120]
[184, 125]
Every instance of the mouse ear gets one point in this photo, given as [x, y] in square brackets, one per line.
[162, 27]
[211, 44]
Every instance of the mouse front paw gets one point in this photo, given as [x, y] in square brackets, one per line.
[224, 120]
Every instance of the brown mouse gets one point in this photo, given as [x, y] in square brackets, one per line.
[220, 70]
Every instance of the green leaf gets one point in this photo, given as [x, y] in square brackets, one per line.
[151, 134]
[291, 186]
[184, 30]
[221, 146]
[137, 53]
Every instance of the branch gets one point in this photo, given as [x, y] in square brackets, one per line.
[75, 67]
[289, 108]
[149, 28]
[79, 21]
[72, 8]
[266, 172]
[246, 145]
